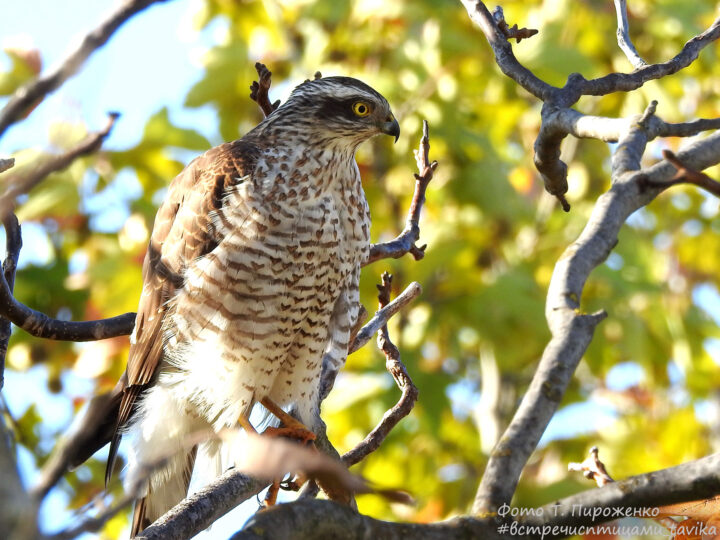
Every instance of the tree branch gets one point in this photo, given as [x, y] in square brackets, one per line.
[201, 509]
[405, 242]
[22, 183]
[309, 519]
[13, 245]
[623, 35]
[397, 369]
[571, 329]
[547, 145]
[626, 82]
[18, 514]
[698, 479]
[34, 92]
[40, 325]
[504, 56]
[687, 175]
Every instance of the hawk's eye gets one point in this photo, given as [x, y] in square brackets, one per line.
[361, 109]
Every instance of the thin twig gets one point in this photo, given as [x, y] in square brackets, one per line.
[405, 242]
[22, 183]
[511, 32]
[259, 90]
[687, 482]
[34, 92]
[623, 35]
[383, 315]
[504, 57]
[686, 175]
[397, 369]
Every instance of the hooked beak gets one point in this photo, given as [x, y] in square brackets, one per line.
[391, 126]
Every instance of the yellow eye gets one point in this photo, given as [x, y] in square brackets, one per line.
[361, 109]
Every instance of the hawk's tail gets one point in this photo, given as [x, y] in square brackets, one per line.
[166, 488]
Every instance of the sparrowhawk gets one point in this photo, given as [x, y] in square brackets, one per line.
[250, 280]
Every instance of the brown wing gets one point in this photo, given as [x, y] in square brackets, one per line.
[182, 232]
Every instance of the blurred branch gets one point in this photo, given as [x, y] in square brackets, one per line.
[698, 479]
[78, 443]
[22, 183]
[397, 369]
[18, 514]
[571, 329]
[31, 94]
[259, 90]
[405, 242]
[623, 35]
[6, 163]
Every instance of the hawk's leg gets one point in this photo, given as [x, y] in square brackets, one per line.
[246, 425]
[291, 429]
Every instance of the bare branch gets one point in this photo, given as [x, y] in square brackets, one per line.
[33, 93]
[259, 90]
[40, 325]
[572, 122]
[405, 242]
[626, 82]
[20, 184]
[592, 468]
[631, 145]
[623, 35]
[201, 509]
[504, 56]
[309, 519]
[687, 482]
[571, 329]
[13, 245]
[397, 369]
[552, 169]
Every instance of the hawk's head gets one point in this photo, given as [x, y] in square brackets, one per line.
[339, 108]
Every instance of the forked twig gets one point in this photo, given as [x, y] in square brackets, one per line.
[399, 373]
[405, 242]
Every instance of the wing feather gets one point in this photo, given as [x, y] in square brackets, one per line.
[182, 232]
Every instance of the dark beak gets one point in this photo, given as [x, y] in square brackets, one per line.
[391, 127]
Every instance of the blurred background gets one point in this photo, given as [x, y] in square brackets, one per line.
[647, 390]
